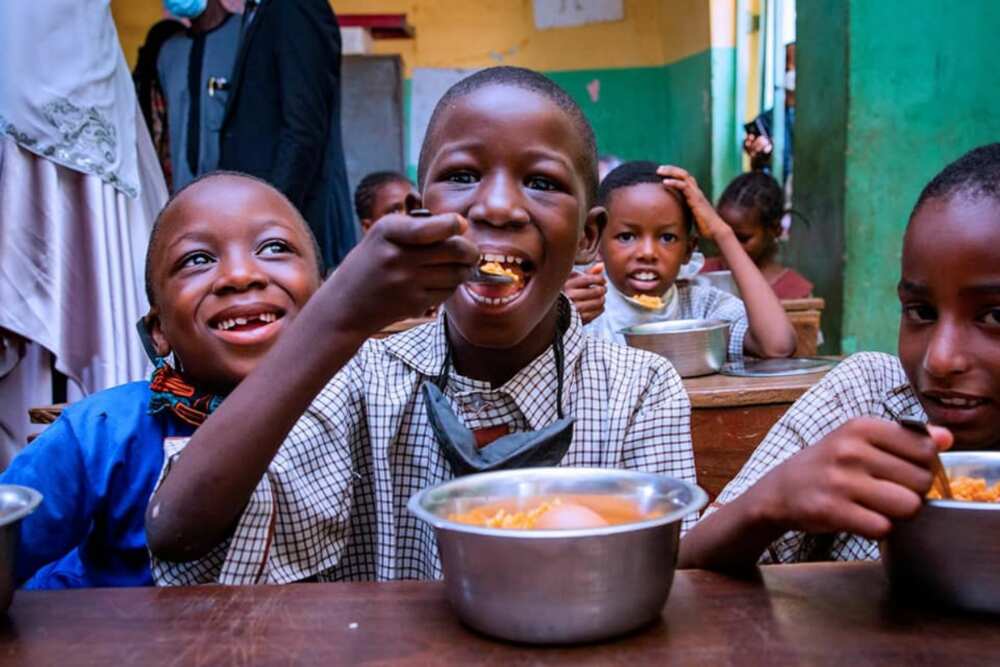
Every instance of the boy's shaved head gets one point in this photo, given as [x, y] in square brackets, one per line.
[155, 236]
[637, 172]
[525, 79]
[976, 174]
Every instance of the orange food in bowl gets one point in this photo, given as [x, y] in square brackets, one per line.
[557, 513]
[972, 489]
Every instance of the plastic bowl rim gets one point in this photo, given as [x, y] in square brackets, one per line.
[698, 502]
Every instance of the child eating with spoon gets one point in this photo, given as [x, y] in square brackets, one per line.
[315, 485]
[835, 472]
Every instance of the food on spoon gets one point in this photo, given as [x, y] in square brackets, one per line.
[646, 301]
[972, 489]
[497, 269]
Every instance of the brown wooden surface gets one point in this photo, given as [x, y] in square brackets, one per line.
[724, 438]
[831, 613]
[724, 391]
[805, 316]
[46, 414]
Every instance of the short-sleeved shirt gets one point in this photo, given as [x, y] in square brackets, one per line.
[869, 384]
[692, 302]
[96, 467]
[332, 504]
[218, 48]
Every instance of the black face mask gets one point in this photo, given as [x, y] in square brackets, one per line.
[517, 450]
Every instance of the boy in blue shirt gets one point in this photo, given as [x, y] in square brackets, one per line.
[230, 263]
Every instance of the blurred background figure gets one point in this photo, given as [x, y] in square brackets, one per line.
[381, 193]
[152, 102]
[79, 188]
[282, 121]
[757, 143]
[194, 70]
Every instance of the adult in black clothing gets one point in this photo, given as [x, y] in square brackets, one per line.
[282, 120]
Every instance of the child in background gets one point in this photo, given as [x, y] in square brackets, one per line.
[837, 469]
[753, 205]
[495, 382]
[649, 236]
[230, 262]
[381, 193]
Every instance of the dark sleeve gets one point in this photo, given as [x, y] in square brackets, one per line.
[308, 69]
[54, 465]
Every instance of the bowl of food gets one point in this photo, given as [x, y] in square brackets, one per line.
[16, 502]
[950, 551]
[558, 555]
[694, 347]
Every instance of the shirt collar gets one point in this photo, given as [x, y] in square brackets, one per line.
[902, 401]
[533, 388]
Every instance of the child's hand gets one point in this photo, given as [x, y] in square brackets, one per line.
[855, 480]
[402, 267]
[710, 225]
[586, 290]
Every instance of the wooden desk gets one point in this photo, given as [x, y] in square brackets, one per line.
[829, 613]
[731, 415]
[805, 316]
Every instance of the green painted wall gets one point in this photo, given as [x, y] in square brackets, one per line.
[673, 113]
[888, 93]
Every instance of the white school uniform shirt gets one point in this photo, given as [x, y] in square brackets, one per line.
[869, 384]
[683, 301]
[332, 505]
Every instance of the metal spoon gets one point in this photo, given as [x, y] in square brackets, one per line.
[477, 275]
[941, 482]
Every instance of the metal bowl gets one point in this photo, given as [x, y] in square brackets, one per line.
[950, 551]
[694, 347]
[558, 586]
[16, 502]
[722, 280]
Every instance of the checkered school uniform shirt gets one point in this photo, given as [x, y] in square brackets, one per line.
[694, 302]
[869, 384]
[332, 505]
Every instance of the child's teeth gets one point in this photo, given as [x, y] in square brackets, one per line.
[241, 321]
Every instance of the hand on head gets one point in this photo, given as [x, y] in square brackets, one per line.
[708, 221]
[858, 479]
[586, 290]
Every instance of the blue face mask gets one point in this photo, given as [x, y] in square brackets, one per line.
[185, 9]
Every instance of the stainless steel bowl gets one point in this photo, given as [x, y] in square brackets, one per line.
[558, 586]
[950, 551]
[694, 347]
[722, 280]
[16, 502]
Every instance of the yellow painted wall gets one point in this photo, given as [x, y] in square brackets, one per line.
[459, 33]
[134, 18]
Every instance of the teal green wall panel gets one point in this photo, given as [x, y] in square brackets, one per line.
[923, 87]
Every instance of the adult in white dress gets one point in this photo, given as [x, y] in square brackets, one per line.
[79, 189]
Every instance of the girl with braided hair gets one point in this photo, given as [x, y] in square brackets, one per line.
[753, 205]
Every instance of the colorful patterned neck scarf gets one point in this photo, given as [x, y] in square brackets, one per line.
[173, 393]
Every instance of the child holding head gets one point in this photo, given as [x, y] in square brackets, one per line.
[753, 205]
[229, 265]
[381, 193]
[837, 469]
[649, 235]
[315, 485]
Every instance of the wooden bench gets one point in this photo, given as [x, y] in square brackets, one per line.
[805, 315]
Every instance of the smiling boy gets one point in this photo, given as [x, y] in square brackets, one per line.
[230, 263]
[837, 470]
[243, 504]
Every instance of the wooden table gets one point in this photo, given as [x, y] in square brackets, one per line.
[731, 415]
[830, 613]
